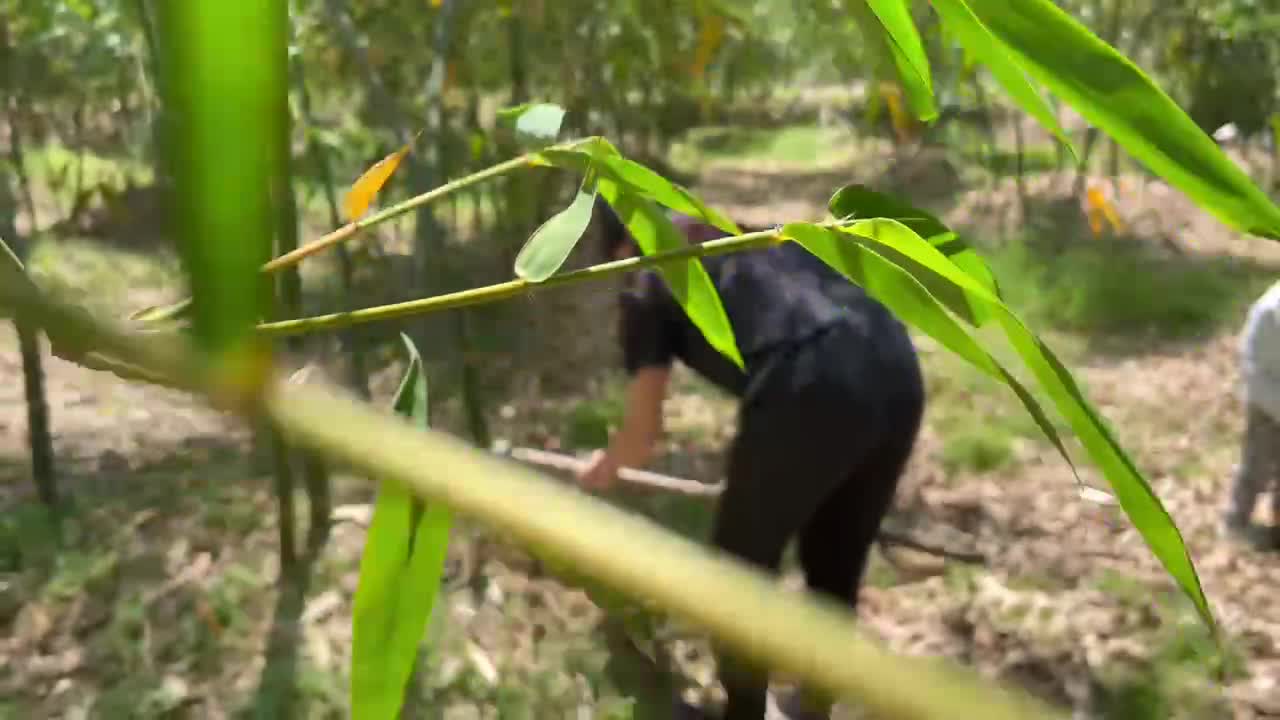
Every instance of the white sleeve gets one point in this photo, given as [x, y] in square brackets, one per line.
[1262, 354]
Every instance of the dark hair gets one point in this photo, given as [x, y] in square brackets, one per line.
[613, 233]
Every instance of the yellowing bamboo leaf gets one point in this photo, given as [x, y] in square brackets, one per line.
[450, 75]
[366, 187]
[1095, 223]
[709, 38]
[904, 125]
[1100, 207]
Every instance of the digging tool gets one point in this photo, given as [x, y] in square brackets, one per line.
[649, 480]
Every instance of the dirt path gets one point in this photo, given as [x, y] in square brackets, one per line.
[103, 427]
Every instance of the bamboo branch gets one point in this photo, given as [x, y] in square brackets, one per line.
[350, 229]
[512, 288]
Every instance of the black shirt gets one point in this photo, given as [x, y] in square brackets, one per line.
[775, 298]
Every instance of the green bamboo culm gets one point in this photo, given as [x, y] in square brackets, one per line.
[223, 87]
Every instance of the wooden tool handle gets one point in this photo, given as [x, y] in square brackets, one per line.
[631, 476]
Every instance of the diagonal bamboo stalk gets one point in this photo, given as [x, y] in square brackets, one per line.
[800, 636]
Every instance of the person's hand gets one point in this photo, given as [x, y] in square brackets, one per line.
[600, 473]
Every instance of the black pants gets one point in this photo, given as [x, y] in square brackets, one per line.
[825, 432]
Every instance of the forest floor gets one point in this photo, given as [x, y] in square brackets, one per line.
[158, 599]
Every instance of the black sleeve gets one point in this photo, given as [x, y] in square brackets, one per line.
[650, 337]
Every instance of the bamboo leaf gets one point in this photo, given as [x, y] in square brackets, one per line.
[907, 52]
[400, 574]
[710, 35]
[860, 201]
[366, 187]
[910, 299]
[550, 245]
[978, 39]
[859, 252]
[1113, 94]
[601, 156]
[537, 123]
[689, 283]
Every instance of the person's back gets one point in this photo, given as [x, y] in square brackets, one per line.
[832, 398]
[775, 299]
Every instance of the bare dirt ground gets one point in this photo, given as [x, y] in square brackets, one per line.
[161, 609]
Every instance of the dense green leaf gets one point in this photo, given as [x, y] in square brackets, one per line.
[908, 54]
[550, 245]
[226, 94]
[1136, 497]
[692, 287]
[534, 122]
[978, 40]
[860, 201]
[400, 575]
[1112, 93]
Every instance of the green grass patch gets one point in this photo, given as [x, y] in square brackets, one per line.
[1003, 162]
[979, 449]
[56, 166]
[1182, 674]
[99, 275]
[807, 145]
[1118, 287]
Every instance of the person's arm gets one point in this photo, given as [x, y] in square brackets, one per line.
[634, 443]
[650, 338]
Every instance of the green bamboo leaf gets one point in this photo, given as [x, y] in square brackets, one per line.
[1113, 94]
[908, 54]
[400, 574]
[911, 300]
[692, 287]
[1133, 491]
[637, 179]
[860, 201]
[550, 245]
[534, 122]
[977, 38]
[226, 91]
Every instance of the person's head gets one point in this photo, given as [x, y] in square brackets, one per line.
[616, 242]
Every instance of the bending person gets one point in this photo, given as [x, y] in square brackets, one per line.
[831, 402]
